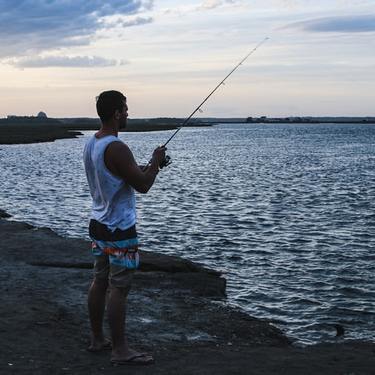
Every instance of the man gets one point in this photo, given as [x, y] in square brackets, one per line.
[113, 175]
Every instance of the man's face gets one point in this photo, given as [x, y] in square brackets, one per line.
[124, 116]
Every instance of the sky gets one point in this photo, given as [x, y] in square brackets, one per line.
[166, 56]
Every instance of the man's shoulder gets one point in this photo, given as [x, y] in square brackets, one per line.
[118, 151]
[117, 145]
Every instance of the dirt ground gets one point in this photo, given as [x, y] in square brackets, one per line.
[176, 310]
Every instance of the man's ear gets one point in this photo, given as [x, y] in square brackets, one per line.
[117, 114]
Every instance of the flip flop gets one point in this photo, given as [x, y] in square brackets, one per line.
[107, 345]
[140, 359]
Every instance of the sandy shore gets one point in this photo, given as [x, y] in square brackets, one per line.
[176, 310]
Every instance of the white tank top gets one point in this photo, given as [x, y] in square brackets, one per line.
[113, 199]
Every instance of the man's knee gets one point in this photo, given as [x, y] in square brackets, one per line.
[121, 279]
[121, 290]
[100, 283]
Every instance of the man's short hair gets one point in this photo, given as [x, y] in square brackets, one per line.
[108, 102]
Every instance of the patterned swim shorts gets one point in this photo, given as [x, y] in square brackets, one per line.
[116, 253]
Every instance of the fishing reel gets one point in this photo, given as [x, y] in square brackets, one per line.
[167, 160]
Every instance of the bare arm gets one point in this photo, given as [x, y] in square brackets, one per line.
[120, 161]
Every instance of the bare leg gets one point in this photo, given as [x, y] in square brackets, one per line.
[96, 307]
[116, 309]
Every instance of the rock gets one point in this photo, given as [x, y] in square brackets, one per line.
[4, 214]
[169, 314]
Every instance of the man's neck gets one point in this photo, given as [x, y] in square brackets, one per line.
[106, 129]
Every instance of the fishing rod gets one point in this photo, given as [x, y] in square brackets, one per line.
[209, 95]
[167, 159]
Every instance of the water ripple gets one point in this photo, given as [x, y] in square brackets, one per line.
[287, 212]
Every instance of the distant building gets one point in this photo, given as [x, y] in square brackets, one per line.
[40, 119]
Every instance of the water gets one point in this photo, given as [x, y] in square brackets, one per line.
[286, 212]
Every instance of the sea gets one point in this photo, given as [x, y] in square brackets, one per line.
[285, 211]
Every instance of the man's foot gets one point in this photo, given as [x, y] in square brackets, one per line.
[133, 358]
[99, 345]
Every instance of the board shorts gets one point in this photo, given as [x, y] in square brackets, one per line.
[116, 253]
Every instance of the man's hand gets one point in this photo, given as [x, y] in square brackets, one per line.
[167, 160]
[159, 155]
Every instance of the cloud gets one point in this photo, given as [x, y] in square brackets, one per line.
[36, 25]
[344, 24]
[128, 22]
[212, 4]
[136, 21]
[203, 6]
[64, 61]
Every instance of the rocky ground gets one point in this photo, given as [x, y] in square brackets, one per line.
[177, 311]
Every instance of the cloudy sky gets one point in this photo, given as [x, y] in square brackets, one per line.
[166, 56]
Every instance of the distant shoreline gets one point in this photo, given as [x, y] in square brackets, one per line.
[23, 134]
[24, 130]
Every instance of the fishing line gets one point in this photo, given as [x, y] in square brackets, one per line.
[209, 95]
